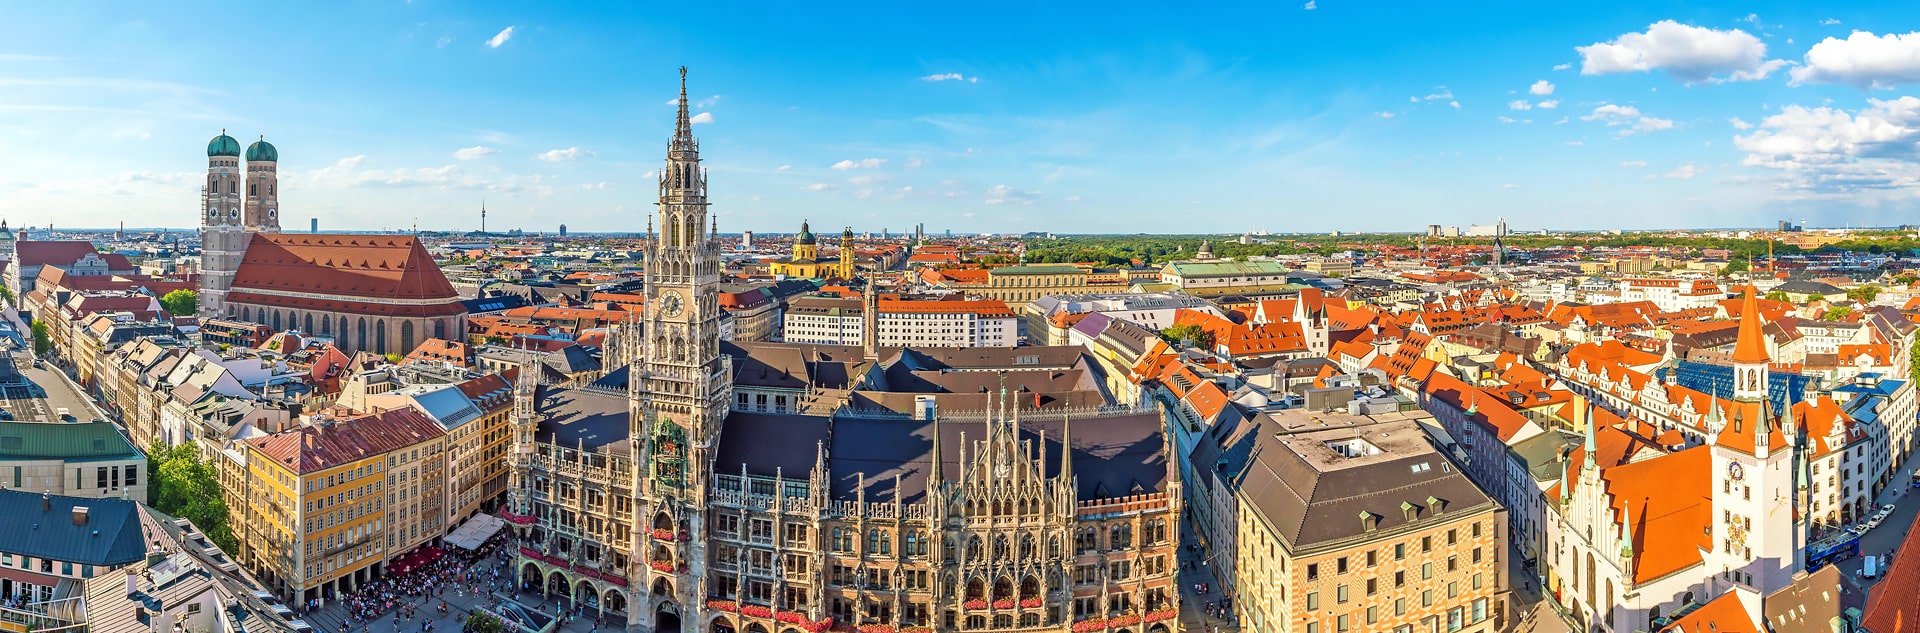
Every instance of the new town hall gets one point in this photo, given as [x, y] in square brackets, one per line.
[774, 488]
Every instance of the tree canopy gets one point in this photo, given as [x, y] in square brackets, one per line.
[184, 485]
[1188, 333]
[181, 302]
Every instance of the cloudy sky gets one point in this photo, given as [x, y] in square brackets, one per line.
[1312, 116]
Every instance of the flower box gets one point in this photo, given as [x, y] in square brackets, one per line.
[876, 628]
[975, 604]
[728, 606]
[1031, 603]
[663, 534]
[1003, 604]
[756, 611]
[1124, 620]
[1163, 614]
[661, 566]
[1085, 626]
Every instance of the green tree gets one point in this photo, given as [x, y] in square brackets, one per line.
[1905, 278]
[6, 293]
[479, 622]
[1864, 294]
[1816, 297]
[1777, 295]
[42, 338]
[1735, 266]
[394, 358]
[184, 485]
[181, 302]
[1837, 313]
[1189, 333]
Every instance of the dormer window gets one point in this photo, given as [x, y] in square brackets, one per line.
[1410, 511]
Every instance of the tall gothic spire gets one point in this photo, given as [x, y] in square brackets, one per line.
[683, 127]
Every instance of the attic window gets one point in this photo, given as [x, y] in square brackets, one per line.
[1410, 511]
[1439, 505]
[1369, 520]
[1421, 467]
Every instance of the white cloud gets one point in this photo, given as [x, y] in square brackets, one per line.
[1384, 115]
[870, 179]
[950, 77]
[1562, 66]
[1548, 104]
[1455, 104]
[783, 168]
[1628, 117]
[1829, 22]
[916, 162]
[351, 161]
[1519, 104]
[1541, 88]
[1739, 124]
[820, 186]
[1510, 120]
[475, 152]
[500, 38]
[1574, 143]
[1827, 151]
[1509, 186]
[1683, 172]
[592, 186]
[1689, 53]
[1002, 194]
[442, 42]
[704, 117]
[1863, 60]
[1633, 163]
[1310, 5]
[1072, 198]
[1440, 93]
[571, 153]
[864, 163]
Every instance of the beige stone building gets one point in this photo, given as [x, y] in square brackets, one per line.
[1357, 523]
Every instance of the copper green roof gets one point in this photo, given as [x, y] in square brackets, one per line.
[223, 145]
[1227, 269]
[72, 442]
[262, 151]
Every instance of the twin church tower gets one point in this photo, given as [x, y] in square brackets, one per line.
[236, 203]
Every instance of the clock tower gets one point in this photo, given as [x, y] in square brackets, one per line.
[679, 388]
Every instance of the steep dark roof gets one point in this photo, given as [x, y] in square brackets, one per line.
[767, 443]
[112, 535]
[1112, 456]
[576, 417]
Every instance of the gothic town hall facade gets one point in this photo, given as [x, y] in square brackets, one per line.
[710, 486]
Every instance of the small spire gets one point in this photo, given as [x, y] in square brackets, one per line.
[1591, 443]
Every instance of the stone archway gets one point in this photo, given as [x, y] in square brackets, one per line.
[662, 587]
[1157, 628]
[720, 624]
[586, 597]
[530, 577]
[613, 602]
[557, 585]
[666, 618]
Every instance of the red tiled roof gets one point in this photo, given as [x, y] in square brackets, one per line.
[1894, 604]
[375, 267]
[313, 448]
[1669, 500]
[1724, 614]
[51, 253]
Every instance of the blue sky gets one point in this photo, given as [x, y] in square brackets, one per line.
[1332, 115]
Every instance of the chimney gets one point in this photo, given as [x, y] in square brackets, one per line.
[46, 503]
[133, 582]
[79, 515]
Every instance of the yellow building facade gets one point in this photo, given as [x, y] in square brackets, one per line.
[806, 263]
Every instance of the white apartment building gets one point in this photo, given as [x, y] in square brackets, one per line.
[841, 321]
[1672, 294]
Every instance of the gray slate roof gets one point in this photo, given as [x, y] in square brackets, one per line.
[43, 527]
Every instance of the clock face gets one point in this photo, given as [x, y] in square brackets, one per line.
[671, 304]
[1734, 471]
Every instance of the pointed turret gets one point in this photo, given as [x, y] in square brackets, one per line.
[1751, 347]
[683, 126]
[1590, 443]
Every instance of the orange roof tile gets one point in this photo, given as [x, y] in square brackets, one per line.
[1752, 345]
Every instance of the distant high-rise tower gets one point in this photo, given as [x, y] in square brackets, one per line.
[563, 230]
[120, 234]
[746, 240]
[223, 239]
[313, 225]
[483, 217]
[1500, 230]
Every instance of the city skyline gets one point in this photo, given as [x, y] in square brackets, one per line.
[1310, 117]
